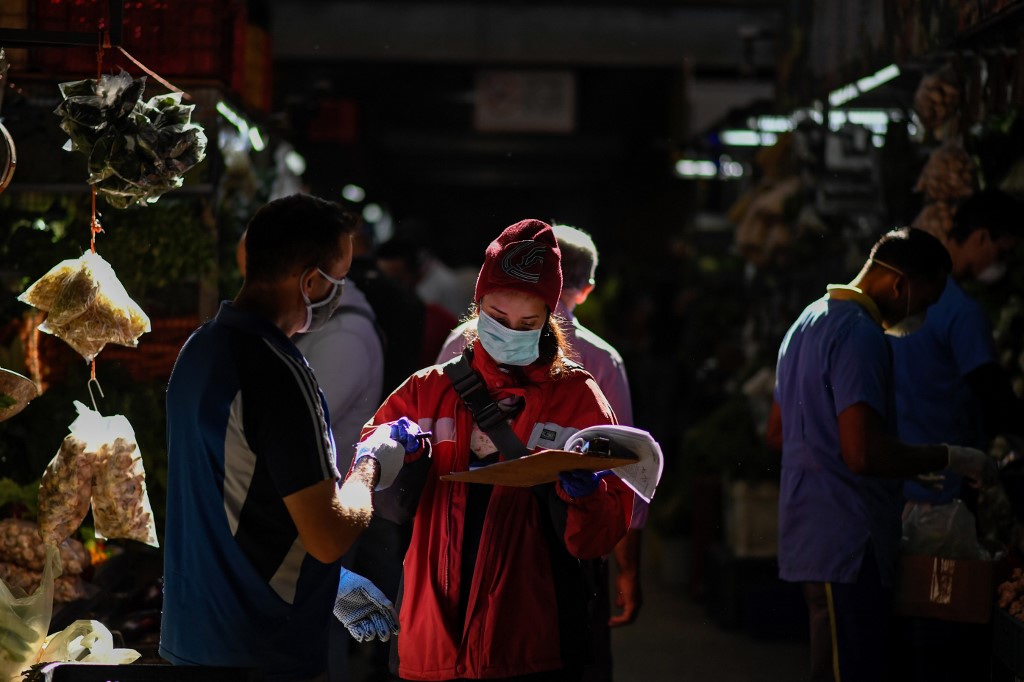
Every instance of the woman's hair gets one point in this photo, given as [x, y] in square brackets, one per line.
[554, 348]
[294, 232]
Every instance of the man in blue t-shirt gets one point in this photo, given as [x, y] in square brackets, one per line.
[833, 419]
[949, 385]
[951, 389]
[256, 521]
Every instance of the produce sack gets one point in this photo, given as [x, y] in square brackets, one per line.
[85, 641]
[24, 620]
[945, 530]
[23, 557]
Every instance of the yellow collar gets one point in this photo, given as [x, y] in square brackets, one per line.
[845, 292]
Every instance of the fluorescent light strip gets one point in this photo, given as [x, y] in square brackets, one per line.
[851, 90]
[747, 138]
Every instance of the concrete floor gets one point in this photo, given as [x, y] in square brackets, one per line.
[674, 640]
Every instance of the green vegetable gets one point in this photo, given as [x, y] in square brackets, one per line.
[137, 150]
[7, 400]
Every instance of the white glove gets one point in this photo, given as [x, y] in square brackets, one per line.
[388, 452]
[363, 609]
[973, 464]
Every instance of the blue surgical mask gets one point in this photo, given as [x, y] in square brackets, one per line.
[507, 346]
[318, 313]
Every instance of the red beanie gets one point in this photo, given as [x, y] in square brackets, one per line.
[525, 257]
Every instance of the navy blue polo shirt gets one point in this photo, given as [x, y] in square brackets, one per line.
[246, 427]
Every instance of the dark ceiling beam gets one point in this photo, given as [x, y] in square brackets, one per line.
[711, 35]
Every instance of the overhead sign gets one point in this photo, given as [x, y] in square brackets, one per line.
[525, 101]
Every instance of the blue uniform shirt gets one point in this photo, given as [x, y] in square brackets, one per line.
[834, 356]
[246, 427]
[933, 400]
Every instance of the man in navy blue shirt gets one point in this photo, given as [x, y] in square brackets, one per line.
[839, 502]
[950, 388]
[256, 521]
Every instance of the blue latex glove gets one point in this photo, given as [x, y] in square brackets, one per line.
[363, 609]
[408, 434]
[581, 482]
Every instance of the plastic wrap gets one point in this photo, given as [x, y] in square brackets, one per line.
[25, 619]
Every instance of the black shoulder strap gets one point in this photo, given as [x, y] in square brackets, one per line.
[485, 411]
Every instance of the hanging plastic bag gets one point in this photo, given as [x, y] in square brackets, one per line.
[104, 465]
[43, 292]
[65, 489]
[120, 501]
[85, 641]
[24, 621]
[945, 530]
[87, 306]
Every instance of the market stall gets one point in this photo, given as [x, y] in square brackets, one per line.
[79, 557]
[885, 116]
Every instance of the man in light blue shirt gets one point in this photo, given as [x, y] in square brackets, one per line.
[834, 418]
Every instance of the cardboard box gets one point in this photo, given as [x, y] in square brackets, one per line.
[949, 589]
[752, 518]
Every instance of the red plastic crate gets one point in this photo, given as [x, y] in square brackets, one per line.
[195, 39]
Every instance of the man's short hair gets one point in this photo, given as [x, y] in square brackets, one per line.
[579, 256]
[294, 232]
[992, 210]
[916, 253]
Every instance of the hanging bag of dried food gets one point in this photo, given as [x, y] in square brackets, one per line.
[66, 486]
[120, 502]
[87, 306]
[25, 619]
[99, 461]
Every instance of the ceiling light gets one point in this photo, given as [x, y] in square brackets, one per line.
[353, 193]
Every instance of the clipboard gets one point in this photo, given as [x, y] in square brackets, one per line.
[540, 467]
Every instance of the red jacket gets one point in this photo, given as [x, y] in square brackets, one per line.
[526, 608]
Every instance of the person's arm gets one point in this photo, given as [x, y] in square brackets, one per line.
[869, 451]
[628, 591]
[774, 434]
[1001, 410]
[597, 521]
[329, 518]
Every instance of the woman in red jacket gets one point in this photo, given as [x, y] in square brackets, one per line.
[496, 580]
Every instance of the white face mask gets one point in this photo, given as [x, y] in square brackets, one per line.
[507, 346]
[910, 323]
[318, 313]
[992, 273]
